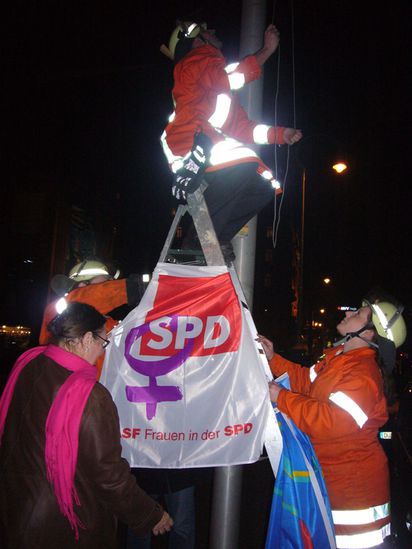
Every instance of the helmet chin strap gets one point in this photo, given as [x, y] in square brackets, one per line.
[202, 38]
[351, 335]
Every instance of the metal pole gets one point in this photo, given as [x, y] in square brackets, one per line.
[252, 29]
[227, 492]
[227, 486]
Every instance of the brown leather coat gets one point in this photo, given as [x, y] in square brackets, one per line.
[29, 514]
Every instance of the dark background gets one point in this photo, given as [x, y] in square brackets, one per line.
[87, 95]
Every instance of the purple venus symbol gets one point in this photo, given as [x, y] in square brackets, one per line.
[153, 393]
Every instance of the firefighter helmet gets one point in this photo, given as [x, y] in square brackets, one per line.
[185, 30]
[87, 270]
[388, 321]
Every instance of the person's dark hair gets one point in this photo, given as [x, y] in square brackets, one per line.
[75, 321]
[183, 47]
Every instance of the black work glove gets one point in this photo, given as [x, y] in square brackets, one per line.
[188, 178]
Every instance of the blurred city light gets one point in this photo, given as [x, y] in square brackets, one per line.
[14, 336]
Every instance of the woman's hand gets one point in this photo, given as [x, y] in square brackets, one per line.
[274, 390]
[267, 346]
[164, 525]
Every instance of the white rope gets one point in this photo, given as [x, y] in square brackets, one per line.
[276, 213]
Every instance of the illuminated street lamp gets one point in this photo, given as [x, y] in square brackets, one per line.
[327, 280]
[339, 167]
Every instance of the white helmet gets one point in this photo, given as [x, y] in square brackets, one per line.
[184, 30]
[86, 270]
[388, 321]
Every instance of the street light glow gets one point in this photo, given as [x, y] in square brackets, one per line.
[339, 167]
[327, 280]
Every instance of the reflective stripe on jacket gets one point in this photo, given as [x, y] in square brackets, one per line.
[340, 404]
[372, 538]
[361, 528]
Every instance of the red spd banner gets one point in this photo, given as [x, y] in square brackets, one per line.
[206, 312]
[186, 375]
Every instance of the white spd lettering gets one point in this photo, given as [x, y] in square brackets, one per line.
[216, 331]
[188, 327]
[212, 322]
[159, 328]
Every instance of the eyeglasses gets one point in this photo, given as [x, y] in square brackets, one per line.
[105, 341]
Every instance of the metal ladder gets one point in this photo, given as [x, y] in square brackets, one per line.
[197, 208]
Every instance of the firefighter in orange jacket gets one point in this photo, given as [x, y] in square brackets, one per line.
[91, 282]
[208, 130]
[339, 402]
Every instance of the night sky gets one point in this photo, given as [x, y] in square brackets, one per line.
[88, 94]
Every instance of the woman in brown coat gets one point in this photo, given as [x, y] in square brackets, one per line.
[63, 482]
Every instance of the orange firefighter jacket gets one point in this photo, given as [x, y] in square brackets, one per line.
[104, 297]
[205, 101]
[339, 403]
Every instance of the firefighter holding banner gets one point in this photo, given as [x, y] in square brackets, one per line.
[208, 130]
[92, 282]
[340, 403]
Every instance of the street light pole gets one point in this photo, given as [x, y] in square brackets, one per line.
[339, 168]
[227, 483]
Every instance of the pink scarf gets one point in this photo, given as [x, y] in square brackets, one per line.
[63, 422]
